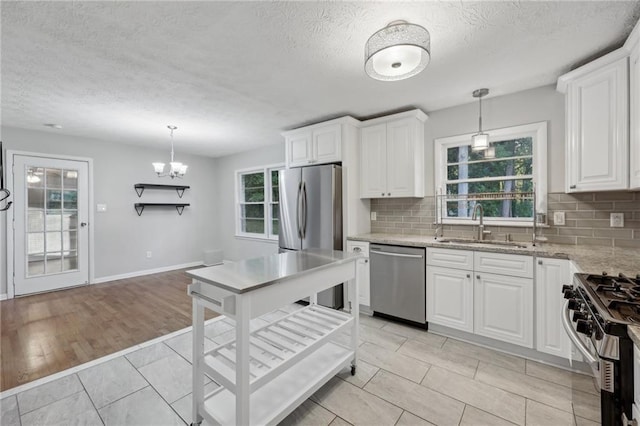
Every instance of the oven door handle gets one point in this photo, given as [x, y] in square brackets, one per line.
[573, 336]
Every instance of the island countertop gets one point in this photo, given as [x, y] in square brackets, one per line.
[591, 259]
[250, 274]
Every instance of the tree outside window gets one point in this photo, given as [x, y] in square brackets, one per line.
[258, 203]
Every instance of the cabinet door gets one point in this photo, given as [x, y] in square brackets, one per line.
[327, 146]
[597, 130]
[373, 161]
[401, 173]
[551, 275]
[450, 297]
[299, 152]
[634, 137]
[503, 308]
[363, 270]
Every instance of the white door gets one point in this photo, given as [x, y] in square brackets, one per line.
[551, 275]
[51, 237]
[299, 149]
[400, 158]
[450, 297]
[373, 161]
[634, 137]
[327, 144]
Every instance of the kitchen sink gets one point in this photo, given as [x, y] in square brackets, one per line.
[509, 244]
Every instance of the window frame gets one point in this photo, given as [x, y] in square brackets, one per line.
[267, 203]
[537, 131]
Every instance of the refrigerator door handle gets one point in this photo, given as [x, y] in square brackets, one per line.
[299, 210]
[304, 210]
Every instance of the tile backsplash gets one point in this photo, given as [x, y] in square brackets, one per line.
[586, 219]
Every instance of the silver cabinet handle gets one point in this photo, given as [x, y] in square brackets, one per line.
[384, 253]
[388, 193]
[382, 194]
[468, 275]
[572, 187]
[539, 262]
[478, 276]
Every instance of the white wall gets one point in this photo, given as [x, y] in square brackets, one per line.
[529, 106]
[121, 237]
[238, 248]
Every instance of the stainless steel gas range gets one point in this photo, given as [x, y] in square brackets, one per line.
[595, 316]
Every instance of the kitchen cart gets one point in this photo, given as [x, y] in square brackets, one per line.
[265, 372]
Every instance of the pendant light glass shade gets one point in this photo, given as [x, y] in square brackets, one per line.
[490, 152]
[176, 169]
[480, 141]
[398, 51]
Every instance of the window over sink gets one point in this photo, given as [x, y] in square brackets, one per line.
[503, 184]
[257, 202]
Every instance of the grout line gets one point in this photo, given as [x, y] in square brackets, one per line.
[90, 399]
[462, 416]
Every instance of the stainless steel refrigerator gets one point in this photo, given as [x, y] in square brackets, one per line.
[311, 215]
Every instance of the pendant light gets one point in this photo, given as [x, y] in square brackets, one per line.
[176, 169]
[480, 141]
[490, 152]
[398, 51]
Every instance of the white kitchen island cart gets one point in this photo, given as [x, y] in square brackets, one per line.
[266, 372]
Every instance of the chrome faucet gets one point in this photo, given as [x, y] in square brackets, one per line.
[481, 231]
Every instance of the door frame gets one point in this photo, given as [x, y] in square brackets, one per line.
[10, 213]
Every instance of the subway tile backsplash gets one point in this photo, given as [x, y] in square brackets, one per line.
[586, 219]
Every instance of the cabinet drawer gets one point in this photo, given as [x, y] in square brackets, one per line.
[504, 264]
[450, 258]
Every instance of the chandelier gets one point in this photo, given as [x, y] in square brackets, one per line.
[176, 169]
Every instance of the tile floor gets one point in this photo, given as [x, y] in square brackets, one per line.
[405, 376]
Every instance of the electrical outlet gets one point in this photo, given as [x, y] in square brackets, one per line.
[616, 220]
[558, 218]
[374, 215]
[149, 255]
[101, 208]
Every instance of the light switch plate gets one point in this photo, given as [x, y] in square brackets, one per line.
[374, 215]
[616, 220]
[101, 208]
[558, 218]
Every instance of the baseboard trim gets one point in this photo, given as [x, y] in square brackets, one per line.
[146, 272]
[3, 296]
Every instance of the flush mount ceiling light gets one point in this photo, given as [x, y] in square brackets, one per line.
[176, 169]
[480, 141]
[398, 51]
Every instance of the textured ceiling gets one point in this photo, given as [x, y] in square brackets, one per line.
[233, 75]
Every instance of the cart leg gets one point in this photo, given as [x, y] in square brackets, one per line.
[355, 312]
[243, 391]
[198, 355]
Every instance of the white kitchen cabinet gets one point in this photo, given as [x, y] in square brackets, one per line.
[363, 269]
[634, 125]
[450, 297]
[392, 156]
[317, 144]
[551, 275]
[503, 308]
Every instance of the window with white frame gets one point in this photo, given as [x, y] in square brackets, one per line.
[257, 202]
[506, 184]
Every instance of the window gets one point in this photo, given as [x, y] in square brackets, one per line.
[504, 185]
[257, 203]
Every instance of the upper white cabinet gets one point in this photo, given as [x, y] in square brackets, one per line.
[603, 121]
[317, 144]
[392, 156]
[597, 153]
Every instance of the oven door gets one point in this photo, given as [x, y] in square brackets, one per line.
[583, 344]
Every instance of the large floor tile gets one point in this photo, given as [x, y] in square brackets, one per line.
[364, 373]
[415, 333]
[9, 414]
[419, 400]
[484, 354]
[543, 415]
[184, 408]
[408, 419]
[474, 417]
[183, 345]
[530, 387]
[147, 355]
[111, 380]
[171, 377]
[339, 421]
[380, 337]
[355, 405]
[577, 381]
[216, 328]
[309, 414]
[436, 356]
[42, 395]
[291, 307]
[402, 365]
[76, 409]
[585, 422]
[144, 407]
[485, 397]
[274, 315]
[371, 321]
[586, 405]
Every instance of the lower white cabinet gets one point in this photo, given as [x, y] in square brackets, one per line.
[363, 270]
[450, 297]
[551, 275]
[503, 308]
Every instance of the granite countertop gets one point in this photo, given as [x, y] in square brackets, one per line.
[634, 333]
[594, 259]
[250, 274]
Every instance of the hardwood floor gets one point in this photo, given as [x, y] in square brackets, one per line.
[47, 333]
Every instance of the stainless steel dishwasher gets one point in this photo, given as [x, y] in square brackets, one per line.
[398, 282]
